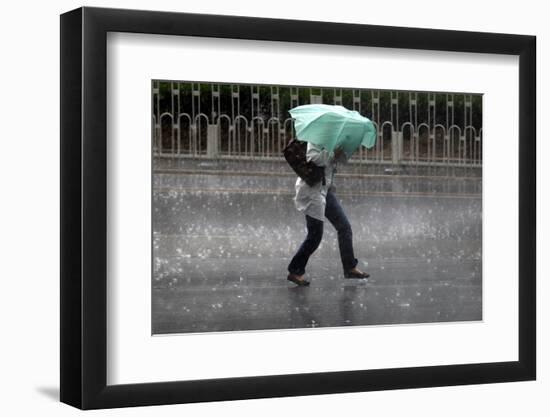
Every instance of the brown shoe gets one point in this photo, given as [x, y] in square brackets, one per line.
[355, 273]
[298, 280]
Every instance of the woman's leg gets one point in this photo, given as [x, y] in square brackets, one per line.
[336, 215]
[310, 244]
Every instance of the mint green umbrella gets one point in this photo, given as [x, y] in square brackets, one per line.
[332, 127]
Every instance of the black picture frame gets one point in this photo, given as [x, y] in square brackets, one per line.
[84, 207]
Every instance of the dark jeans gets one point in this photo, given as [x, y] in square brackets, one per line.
[335, 214]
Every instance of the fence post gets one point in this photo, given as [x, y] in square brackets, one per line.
[462, 154]
[400, 146]
[212, 141]
[316, 99]
[396, 147]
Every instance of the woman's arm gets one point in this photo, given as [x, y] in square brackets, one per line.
[317, 155]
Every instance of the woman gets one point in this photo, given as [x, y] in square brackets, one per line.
[316, 203]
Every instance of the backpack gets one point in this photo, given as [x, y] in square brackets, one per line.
[295, 154]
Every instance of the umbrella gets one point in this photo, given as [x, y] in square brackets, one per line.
[333, 126]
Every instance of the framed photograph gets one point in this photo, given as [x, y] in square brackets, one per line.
[257, 207]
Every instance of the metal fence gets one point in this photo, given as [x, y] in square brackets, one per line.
[252, 122]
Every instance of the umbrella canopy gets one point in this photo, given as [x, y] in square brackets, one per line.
[332, 127]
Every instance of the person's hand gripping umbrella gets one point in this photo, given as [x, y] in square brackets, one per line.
[333, 127]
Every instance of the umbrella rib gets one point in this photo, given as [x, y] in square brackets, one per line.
[342, 128]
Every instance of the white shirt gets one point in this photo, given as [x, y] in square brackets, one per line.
[312, 200]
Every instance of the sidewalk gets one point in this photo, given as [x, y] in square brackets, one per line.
[220, 258]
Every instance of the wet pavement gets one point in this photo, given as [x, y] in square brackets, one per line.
[222, 243]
